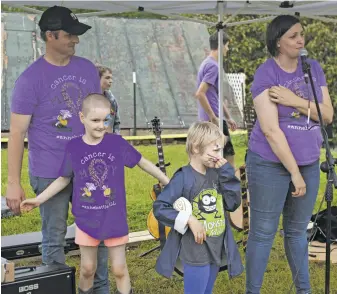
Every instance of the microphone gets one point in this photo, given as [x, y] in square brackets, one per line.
[304, 54]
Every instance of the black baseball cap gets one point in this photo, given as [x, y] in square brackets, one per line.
[62, 18]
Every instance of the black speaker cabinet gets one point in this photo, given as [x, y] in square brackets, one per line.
[49, 279]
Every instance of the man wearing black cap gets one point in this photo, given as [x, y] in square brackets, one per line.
[46, 101]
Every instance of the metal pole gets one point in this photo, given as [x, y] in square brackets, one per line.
[220, 63]
[134, 106]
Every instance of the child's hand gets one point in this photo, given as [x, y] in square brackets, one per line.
[221, 161]
[29, 204]
[197, 229]
[217, 161]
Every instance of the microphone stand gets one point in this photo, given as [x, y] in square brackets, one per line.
[328, 168]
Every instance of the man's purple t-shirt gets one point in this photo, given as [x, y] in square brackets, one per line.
[208, 73]
[53, 96]
[304, 142]
[99, 201]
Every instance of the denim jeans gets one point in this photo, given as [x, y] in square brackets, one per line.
[270, 188]
[54, 214]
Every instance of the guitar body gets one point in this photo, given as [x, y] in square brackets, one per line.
[157, 230]
[152, 223]
[153, 226]
[155, 192]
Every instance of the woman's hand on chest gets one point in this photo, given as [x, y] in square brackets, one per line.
[283, 96]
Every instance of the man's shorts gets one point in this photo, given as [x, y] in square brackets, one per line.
[228, 149]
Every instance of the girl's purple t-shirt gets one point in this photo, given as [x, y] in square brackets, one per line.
[99, 200]
[304, 142]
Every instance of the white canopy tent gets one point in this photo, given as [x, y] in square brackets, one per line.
[307, 8]
[320, 10]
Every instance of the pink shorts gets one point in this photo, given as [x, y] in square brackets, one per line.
[83, 239]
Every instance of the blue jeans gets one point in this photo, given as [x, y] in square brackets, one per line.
[270, 188]
[199, 279]
[54, 215]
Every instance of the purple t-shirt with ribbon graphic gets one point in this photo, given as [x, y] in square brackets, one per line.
[99, 201]
[53, 96]
[304, 141]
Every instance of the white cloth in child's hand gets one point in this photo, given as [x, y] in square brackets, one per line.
[182, 204]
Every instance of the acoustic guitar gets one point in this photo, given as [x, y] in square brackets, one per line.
[156, 229]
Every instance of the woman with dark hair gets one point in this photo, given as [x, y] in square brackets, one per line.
[105, 75]
[283, 153]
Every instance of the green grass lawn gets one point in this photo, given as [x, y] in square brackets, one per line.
[145, 279]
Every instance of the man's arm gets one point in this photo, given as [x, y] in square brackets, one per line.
[226, 112]
[18, 128]
[230, 121]
[229, 95]
[201, 96]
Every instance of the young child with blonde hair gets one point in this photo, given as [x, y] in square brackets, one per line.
[200, 238]
[95, 162]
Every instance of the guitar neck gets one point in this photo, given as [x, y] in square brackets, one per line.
[161, 160]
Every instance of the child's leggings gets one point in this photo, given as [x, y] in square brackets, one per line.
[199, 279]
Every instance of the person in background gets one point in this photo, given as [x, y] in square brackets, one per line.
[105, 75]
[207, 94]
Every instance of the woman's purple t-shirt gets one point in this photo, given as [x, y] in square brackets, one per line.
[99, 201]
[304, 142]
